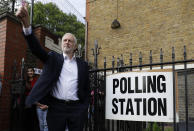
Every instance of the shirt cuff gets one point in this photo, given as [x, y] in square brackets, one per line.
[27, 31]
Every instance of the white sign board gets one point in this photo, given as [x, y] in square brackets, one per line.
[37, 71]
[49, 43]
[140, 96]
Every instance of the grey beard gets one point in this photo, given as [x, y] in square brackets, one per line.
[68, 51]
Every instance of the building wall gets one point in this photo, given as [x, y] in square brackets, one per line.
[2, 57]
[13, 47]
[181, 96]
[2, 44]
[145, 25]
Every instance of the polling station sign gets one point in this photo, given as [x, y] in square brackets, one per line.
[140, 96]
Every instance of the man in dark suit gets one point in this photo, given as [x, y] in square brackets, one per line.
[63, 84]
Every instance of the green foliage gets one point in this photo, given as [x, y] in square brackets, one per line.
[168, 129]
[5, 5]
[51, 17]
[149, 127]
[154, 127]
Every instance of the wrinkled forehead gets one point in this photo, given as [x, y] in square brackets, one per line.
[69, 36]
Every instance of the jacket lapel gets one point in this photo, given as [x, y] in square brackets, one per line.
[61, 60]
[79, 70]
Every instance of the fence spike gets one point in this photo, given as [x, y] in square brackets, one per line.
[22, 68]
[113, 63]
[92, 51]
[150, 56]
[96, 44]
[118, 61]
[173, 54]
[161, 55]
[150, 59]
[140, 57]
[140, 60]
[130, 59]
[161, 58]
[113, 58]
[185, 53]
[121, 61]
[14, 69]
[104, 62]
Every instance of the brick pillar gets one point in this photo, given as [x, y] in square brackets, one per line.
[13, 47]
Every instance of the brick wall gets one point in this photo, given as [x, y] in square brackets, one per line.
[2, 44]
[40, 33]
[2, 55]
[13, 47]
[145, 25]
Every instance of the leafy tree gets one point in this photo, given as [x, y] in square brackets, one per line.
[7, 5]
[4, 5]
[51, 17]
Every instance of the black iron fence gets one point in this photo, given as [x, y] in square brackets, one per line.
[17, 83]
[96, 115]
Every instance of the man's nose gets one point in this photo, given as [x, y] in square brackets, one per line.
[67, 41]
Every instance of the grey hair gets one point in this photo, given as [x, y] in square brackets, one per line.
[75, 39]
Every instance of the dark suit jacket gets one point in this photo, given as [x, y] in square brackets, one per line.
[53, 63]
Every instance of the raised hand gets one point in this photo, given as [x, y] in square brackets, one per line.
[23, 16]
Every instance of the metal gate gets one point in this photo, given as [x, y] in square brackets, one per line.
[96, 113]
[17, 97]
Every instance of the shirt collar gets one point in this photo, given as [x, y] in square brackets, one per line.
[67, 58]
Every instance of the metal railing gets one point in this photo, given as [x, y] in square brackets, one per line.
[96, 116]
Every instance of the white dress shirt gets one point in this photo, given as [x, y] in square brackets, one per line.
[67, 85]
[27, 31]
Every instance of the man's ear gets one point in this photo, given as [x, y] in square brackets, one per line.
[75, 47]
